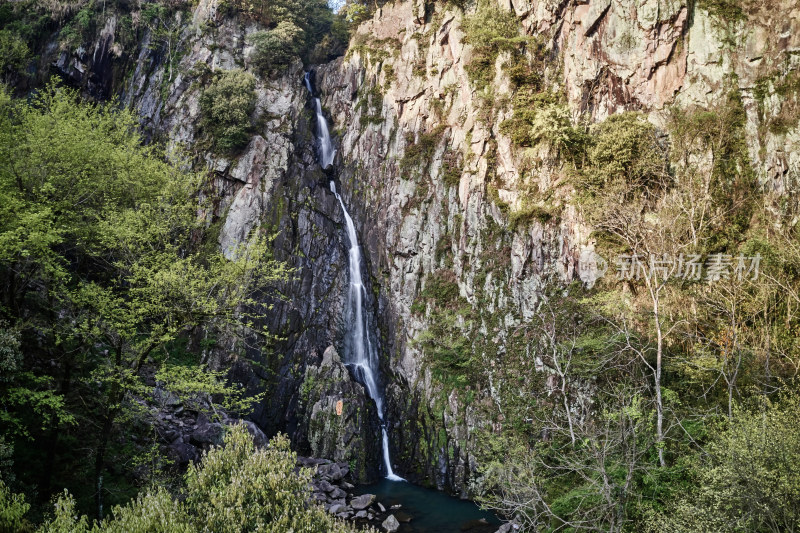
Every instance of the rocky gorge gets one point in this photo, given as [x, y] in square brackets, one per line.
[464, 230]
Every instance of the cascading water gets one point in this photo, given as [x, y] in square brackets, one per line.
[361, 356]
[326, 151]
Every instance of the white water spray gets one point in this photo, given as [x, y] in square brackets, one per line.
[326, 151]
[361, 356]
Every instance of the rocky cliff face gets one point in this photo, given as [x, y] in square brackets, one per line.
[435, 187]
[403, 94]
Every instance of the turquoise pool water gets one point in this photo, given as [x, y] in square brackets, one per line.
[431, 511]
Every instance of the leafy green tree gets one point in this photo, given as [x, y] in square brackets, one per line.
[102, 264]
[277, 47]
[750, 480]
[14, 55]
[226, 106]
[490, 30]
[12, 510]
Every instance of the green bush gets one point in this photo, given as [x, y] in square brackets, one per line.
[14, 54]
[728, 11]
[277, 47]
[625, 156]
[418, 156]
[12, 510]
[751, 479]
[226, 107]
[490, 30]
[235, 488]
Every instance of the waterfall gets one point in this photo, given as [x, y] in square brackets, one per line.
[326, 151]
[361, 355]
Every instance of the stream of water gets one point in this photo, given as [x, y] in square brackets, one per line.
[420, 510]
[360, 353]
[326, 151]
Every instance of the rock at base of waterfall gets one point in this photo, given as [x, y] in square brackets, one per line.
[508, 527]
[381, 507]
[333, 509]
[325, 486]
[337, 493]
[362, 502]
[391, 524]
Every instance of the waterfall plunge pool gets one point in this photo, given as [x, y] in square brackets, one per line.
[431, 511]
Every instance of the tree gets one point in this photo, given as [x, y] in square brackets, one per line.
[226, 106]
[277, 47]
[103, 267]
[750, 478]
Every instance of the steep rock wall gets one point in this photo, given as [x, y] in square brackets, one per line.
[274, 185]
[403, 90]
[432, 183]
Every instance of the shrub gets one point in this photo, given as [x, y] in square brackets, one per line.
[14, 54]
[418, 156]
[625, 154]
[728, 11]
[226, 107]
[751, 481]
[452, 167]
[552, 125]
[277, 47]
[490, 30]
[236, 488]
[12, 510]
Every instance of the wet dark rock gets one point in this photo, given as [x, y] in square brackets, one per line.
[338, 493]
[207, 433]
[508, 527]
[475, 525]
[325, 486]
[182, 453]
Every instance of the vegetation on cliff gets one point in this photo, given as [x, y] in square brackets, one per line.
[659, 397]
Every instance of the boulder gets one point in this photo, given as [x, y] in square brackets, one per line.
[207, 433]
[182, 453]
[362, 502]
[391, 524]
[325, 486]
[337, 493]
